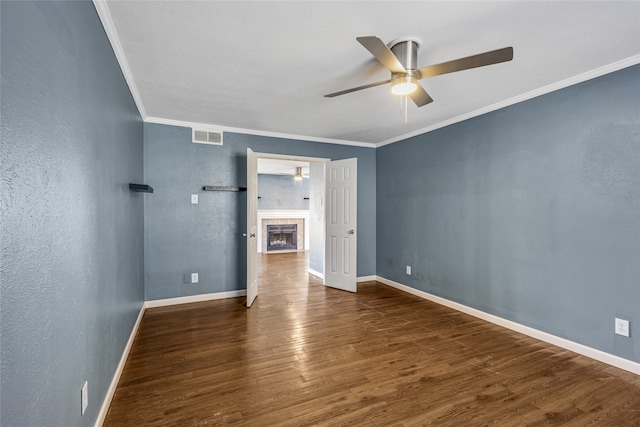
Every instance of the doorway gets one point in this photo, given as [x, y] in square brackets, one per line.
[291, 192]
[340, 224]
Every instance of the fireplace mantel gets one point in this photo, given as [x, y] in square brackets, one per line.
[283, 214]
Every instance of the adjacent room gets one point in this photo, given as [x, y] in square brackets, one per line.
[360, 213]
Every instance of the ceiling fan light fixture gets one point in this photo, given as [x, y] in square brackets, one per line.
[404, 85]
[400, 57]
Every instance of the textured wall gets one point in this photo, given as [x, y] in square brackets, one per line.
[531, 212]
[281, 192]
[72, 241]
[316, 217]
[207, 238]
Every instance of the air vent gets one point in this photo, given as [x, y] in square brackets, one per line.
[206, 137]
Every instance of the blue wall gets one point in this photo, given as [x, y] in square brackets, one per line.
[207, 238]
[531, 212]
[282, 192]
[72, 240]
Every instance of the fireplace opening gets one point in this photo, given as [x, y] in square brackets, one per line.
[282, 237]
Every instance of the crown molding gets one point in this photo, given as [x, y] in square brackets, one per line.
[214, 127]
[112, 35]
[598, 72]
[107, 22]
[601, 71]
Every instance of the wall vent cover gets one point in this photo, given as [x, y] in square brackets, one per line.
[206, 137]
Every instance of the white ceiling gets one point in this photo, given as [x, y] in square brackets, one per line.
[264, 66]
[281, 167]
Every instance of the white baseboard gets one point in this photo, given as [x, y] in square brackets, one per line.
[584, 350]
[358, 279]
[610, 359]
[116, 376]
[315, 273]
[149, 304]
[194, 298]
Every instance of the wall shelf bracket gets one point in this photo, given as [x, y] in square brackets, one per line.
[141, 188]
[222, 188]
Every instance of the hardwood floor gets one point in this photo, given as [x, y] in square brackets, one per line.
[308, 355]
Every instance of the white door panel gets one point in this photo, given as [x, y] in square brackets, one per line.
[341, 248]
[252, 227]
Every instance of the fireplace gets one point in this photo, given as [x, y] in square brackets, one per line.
[282, 237]
[274, 217]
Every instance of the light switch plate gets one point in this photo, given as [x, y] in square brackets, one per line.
[194, 277]
[194, 199]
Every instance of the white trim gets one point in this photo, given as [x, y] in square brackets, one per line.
[284, 214]
[582, 349]
[315, 273]
[107, 22]
[601, 71]
[194, 298]
[366, 278]
[292, 157]
[182, 123]
[112, 35]
[116, 376]
[127, 348]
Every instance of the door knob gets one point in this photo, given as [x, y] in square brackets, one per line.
[351, 232]
[252, 235]
[244, 234]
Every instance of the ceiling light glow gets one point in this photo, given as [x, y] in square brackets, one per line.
[404, 85]
[403, 88]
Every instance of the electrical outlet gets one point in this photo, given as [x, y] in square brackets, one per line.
[194, 199]
[622, 327]
[84, 396]
[194, 277]
[409, 270]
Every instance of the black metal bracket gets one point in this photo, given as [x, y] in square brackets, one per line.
[141, 188]
[222, 188]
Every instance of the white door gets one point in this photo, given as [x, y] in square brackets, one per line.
[340, 240]
[252, 227]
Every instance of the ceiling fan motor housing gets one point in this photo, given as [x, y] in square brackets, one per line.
[406, 50]
[398, 79]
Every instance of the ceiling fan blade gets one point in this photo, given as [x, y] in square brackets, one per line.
[382, 53]
[420, 96]
[474, 61]
[354, 89]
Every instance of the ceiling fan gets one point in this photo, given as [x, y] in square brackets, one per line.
[401, 57]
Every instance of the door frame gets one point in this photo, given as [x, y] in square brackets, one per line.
[292, 157]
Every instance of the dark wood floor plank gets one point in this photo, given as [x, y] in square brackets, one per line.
[306, 355]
